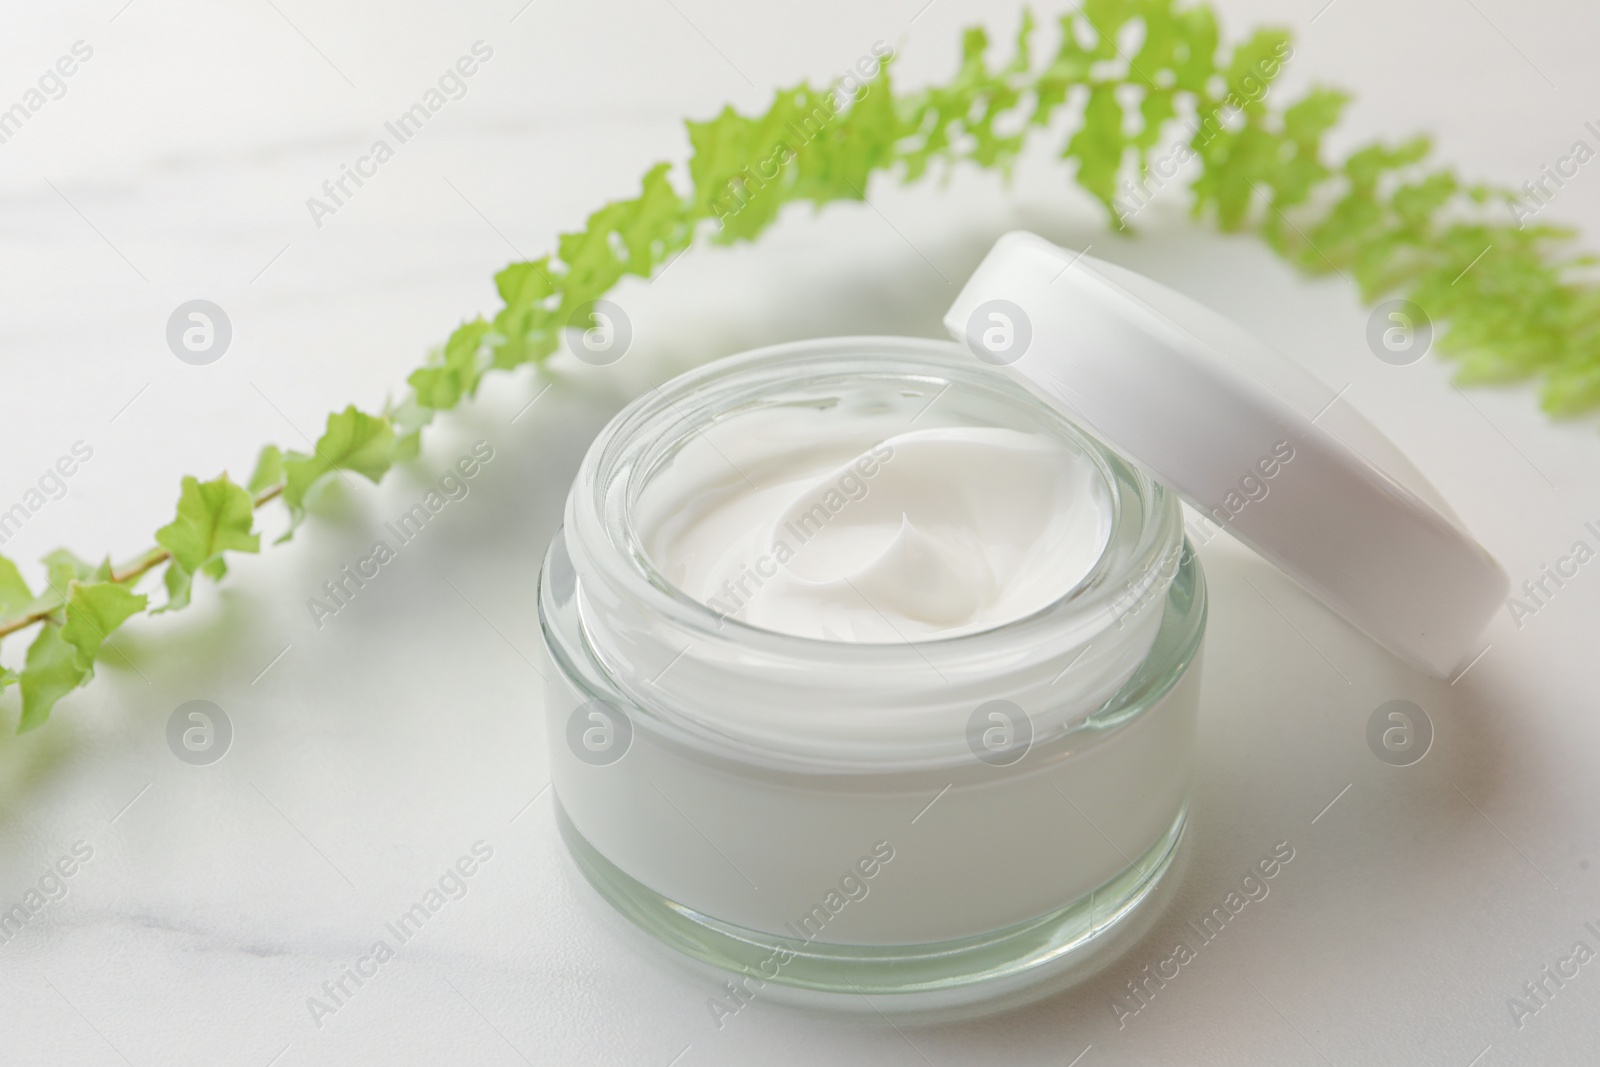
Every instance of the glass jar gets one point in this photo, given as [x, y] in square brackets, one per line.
[951, 821]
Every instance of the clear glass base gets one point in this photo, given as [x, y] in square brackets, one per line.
[995, 971]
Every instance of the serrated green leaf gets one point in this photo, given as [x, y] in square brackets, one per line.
[179, 583]
[1107, 17]
[62, 568]
[14, 592]
[353, 441]
[269, 470]
[719, 151]
[1068, 69]
[50, 673]
[1158, 108]
[408, 418]
[213, 517]
[17, 602]
[357, 442]
[590, 255]
[656, 224]
[526, 283]
[436, 387]
[633, 236]
[526, 329]
[1099, 145]
[1253, 66]
[458, 371]
[1198, 33]
[94, 611]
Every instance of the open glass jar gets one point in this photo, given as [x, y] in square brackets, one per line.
[948, 821]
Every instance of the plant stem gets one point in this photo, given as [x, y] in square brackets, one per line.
[151, 559]
[22, 623]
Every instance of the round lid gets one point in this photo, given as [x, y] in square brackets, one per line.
[1258, 445]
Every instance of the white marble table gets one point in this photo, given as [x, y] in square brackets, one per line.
[372, 752]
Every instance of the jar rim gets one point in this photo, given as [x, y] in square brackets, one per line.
[1146, 523]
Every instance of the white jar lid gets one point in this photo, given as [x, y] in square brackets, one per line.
[1243, 434]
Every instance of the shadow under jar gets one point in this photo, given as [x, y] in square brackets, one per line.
[946, 821]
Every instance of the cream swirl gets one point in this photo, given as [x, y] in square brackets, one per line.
[818, 528]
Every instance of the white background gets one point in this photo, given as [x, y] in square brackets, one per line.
[371, 753]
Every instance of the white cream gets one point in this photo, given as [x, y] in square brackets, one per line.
[863, 529]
